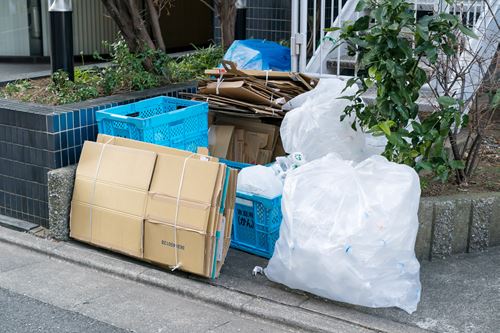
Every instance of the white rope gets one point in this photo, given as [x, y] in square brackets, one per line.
[177, 263]
[267, 76]
[95, 181]
[220, 79]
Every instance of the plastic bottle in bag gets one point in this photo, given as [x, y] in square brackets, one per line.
[348, 232]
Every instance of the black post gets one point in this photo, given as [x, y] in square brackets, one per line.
[61, 36]
[240, 32]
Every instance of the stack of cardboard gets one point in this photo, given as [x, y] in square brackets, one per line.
[243, 140]
[159, 204]
[251, 93]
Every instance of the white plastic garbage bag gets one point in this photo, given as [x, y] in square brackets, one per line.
[375, 145]
[259, 180]
[325, 92]
[316, 130]
[285, 164]
[348, 232]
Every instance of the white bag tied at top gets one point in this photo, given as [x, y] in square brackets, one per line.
[348, 232]
[315, 129]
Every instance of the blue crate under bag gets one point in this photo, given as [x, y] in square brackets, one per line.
[166, 121]
[256, 224]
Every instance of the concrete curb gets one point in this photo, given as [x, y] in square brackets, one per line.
[179, 283]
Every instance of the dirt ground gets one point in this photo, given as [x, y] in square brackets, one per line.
[486, 177]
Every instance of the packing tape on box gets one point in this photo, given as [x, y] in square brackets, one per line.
[177, 263]
[95, 181]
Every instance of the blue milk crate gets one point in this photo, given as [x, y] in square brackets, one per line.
[166, 121]
[256, 224]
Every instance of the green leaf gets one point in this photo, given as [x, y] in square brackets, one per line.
[447, 101]
[424, 166]
[448, 50]
[466, 31]
[395, 98]
[361, 5]
[362, 23]
[332, 29]
[396, 139]
[372, 71]
[386, 126]
[349, 98]
[369, 82]
[465, 120]
[457, 164]
[423, 31]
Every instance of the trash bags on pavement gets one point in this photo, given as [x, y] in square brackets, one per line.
[348, 232]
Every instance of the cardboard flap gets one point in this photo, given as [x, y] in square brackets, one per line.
[219, 140]
[198, 182]
[117, 141]
[124, 166]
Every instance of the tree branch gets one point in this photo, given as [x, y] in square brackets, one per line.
[155, 24]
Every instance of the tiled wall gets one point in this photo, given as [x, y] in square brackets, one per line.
[35, 139]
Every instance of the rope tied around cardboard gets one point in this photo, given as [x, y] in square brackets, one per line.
[95, 181]
[220, 79]
[177, 263]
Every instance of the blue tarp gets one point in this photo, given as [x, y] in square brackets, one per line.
[259, 54]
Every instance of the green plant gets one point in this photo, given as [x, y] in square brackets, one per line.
[66, 91]
[18, 86]
[193, 65]
[390, 45]
[127, 71]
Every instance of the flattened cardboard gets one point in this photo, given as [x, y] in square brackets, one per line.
[117, 184]
[124, 142]
[254, 142]
[108, 229]
[160, 242]
[219, 140]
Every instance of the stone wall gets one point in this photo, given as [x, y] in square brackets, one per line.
[458, 224]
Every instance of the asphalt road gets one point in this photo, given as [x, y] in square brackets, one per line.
[19, 313]
[40, 294]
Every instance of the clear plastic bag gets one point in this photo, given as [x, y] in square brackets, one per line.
[260, 180]
[348, 232]
[315, 129]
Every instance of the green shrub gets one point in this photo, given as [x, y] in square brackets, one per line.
[390, 45]
[127, 72]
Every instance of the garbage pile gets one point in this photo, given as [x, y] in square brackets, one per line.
[250, 93]
[312, 194]
[349, 217]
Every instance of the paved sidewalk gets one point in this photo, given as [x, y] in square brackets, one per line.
[47, 295]
[461, 294]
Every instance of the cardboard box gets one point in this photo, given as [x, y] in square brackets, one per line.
[243, 140]
[156, 203]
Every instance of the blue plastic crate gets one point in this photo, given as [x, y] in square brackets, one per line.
[166, 121]
[256, 224]
[235, 165]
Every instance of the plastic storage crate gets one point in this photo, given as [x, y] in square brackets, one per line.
[256, 224]
[166, 121]
[235, 165]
